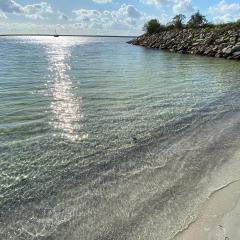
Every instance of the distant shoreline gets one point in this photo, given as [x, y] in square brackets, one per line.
[62, 35]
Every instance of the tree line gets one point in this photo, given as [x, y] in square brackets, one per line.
[197, 20]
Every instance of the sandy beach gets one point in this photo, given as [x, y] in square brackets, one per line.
[220, 215]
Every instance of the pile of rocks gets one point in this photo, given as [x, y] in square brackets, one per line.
[205, 41]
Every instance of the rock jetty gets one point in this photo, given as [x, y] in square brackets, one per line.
[204, 41]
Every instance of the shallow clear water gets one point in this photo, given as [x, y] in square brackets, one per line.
[103, 140]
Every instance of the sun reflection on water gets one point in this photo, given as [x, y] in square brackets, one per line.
[65, 106]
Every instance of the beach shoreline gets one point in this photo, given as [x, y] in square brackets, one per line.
[219, 216]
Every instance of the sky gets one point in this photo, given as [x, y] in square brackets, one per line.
[108, 17]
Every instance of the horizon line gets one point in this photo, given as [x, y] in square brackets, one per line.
[62, 35]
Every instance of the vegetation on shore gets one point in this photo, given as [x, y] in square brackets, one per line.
[196, 36]
[197, 20]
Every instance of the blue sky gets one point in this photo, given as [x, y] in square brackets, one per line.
[112, 17]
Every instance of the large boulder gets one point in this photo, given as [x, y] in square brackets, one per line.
[236, 54]
[227, 51]
[236, 48]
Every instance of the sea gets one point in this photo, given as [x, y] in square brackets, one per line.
[102, 140]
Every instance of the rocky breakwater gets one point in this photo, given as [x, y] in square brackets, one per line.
[207, 42]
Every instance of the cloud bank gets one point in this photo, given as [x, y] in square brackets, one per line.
[225, 12]
[108, 15]
[36, 11]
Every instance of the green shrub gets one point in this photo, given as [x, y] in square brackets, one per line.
[153, 26]
[197, 20]
[177, 21]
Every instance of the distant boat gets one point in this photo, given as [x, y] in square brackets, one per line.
[56, 35]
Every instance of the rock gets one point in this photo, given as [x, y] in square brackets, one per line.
[207, 42]
[195, 44]
[236, 48]
[235, 54]
[227, 50]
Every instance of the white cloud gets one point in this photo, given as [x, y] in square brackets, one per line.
[102, 1]
[225, 12]
[35, 11]
[10, 6]
[2, 15]
[158, 2]
[126, 17]
[63, 16]
[183, 6]
[176, 6]
[86, 16]
[127, 11]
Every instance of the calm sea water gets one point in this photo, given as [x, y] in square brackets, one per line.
[103, 140]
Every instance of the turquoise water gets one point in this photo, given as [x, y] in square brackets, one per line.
[98, 138]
